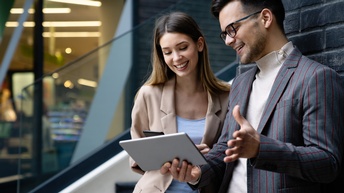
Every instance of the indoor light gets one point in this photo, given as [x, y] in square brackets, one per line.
[45, 10]
[72, 23]
[15, 24]
[58, 24]
[80, 2]
[89, 83]
[68, 50]
[68, 84]
[71, 34]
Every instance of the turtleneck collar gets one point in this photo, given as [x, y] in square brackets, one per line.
[274, 60]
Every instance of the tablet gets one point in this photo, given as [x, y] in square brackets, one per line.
[150, 153]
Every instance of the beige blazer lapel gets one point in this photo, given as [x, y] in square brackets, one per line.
[168, 120]
[212, 121]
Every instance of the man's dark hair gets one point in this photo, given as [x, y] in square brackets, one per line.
[250, 6]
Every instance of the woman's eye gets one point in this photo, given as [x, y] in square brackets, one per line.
[183, 48]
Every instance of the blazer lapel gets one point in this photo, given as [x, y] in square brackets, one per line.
[240, 94]
[212, 121]
[168, 121]
[282, 79]
[245, 92]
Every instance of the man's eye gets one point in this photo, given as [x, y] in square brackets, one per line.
[236, 28]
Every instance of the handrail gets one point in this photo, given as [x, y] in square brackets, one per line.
[82, 167]
[228, 72]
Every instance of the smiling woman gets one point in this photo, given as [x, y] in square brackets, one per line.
[181, 95]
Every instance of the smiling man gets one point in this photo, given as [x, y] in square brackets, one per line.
[284, 129]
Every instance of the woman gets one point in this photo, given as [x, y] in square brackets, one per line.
[181, 95]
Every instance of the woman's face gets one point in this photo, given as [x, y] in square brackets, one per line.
[181, 53]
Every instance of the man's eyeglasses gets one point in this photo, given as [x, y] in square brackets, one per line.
[230, 29]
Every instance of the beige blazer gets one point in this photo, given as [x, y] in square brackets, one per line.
[154, 109]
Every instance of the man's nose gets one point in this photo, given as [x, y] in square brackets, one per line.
[229, 40]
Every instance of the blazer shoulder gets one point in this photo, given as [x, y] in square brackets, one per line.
[316, 67]
[150, 88]
[147, 90]
[219, 101]
[223, 96]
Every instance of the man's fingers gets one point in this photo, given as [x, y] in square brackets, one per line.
[232, 153]
[231, 158]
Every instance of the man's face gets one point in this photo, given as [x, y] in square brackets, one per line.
[249, 40]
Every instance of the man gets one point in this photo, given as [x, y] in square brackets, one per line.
[284, 131]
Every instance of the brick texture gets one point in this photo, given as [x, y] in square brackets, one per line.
[316, 27]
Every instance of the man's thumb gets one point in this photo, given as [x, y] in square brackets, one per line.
[237, 116]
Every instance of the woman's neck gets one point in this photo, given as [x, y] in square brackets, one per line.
[188, 85]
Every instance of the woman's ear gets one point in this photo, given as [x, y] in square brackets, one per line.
[200, 44]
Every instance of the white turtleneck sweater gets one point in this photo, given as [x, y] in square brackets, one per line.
[268, 66]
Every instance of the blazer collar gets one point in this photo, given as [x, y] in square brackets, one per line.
[167, 97]
[167, 107]
[212, 120]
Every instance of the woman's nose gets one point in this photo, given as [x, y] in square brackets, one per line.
[176, 56]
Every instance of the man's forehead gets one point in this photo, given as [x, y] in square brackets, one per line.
[230, 13]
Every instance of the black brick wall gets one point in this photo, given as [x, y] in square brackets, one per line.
[317, 28]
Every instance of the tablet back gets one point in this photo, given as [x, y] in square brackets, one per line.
[150, 153]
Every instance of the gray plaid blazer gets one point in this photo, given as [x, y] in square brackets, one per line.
[302, 132]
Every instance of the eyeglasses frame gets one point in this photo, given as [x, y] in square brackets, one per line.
[223, 35]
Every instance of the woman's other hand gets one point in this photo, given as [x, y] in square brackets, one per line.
[203, 148]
